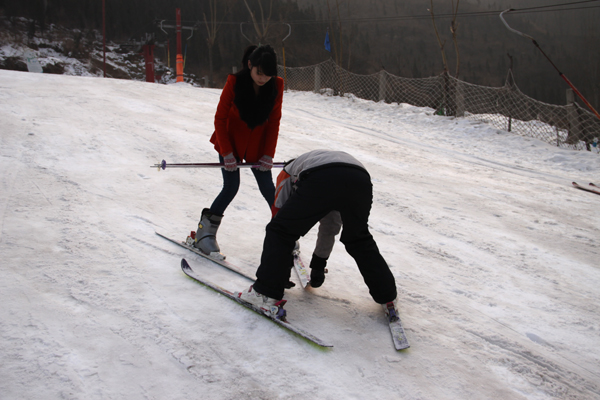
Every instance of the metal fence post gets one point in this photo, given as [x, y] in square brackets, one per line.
[382, 85]
[459, 99]
[317, 79]
[572, 118]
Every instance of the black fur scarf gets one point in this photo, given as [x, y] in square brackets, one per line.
[254, 110]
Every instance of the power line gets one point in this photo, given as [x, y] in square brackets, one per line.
[560, 5]
[448, 15]
[528, 10]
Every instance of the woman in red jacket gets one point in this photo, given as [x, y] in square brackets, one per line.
[246, 128]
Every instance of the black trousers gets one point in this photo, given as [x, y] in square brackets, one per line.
[231, 184]
[345, 189]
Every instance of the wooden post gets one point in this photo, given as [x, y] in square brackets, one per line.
[572, 118]
[459, 99]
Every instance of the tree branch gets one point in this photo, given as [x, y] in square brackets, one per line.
[453, 29]
[437, 34]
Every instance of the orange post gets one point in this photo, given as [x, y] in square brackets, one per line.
[179, 63]
[179, 68]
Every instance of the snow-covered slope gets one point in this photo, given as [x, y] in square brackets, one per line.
[495, 254]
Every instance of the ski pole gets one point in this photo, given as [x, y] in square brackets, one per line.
[548, 58]
[164, 165]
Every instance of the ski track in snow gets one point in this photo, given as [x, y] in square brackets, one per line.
[494, 253]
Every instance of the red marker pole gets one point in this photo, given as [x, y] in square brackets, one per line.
[179, 60]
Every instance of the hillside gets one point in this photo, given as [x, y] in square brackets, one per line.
[494, 253]
[75, 52]
[399, 36]
[367, 36]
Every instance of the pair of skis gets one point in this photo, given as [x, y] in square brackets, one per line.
[593, 189]
[396, 329]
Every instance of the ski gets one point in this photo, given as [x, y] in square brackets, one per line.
[301, 270]
[398, 335]
[594, 185]
[222, 263]
[285, 324]
[587, 189]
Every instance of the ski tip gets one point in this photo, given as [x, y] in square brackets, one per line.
[324, 346]
[184, 264]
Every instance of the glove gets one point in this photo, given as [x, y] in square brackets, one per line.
[266, 163]
[318, 271]
[230, 162]
[289, 285]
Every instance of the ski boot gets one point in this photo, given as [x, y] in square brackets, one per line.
[391, 310]
[271, 307]
[206, 235]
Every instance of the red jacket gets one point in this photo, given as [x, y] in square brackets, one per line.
[233, 135]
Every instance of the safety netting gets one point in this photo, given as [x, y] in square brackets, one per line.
[506, 108]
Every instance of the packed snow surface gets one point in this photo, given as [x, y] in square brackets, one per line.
[495, 254]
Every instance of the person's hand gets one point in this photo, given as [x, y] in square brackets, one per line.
[230, 162]
[265, 163]
[317, 271]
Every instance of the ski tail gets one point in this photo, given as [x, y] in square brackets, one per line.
[396, 328]
[301, 270]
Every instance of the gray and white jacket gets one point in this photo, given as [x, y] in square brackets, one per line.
[330, 225]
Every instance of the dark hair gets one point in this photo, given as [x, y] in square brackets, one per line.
[263, 57]
[246, 56]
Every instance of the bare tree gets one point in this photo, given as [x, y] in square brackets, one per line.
[439, 39]
[212, 27]
[261, 27]
[453, 30]
[336, 36]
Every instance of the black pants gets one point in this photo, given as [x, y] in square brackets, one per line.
[231, 184]
[345, 189]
